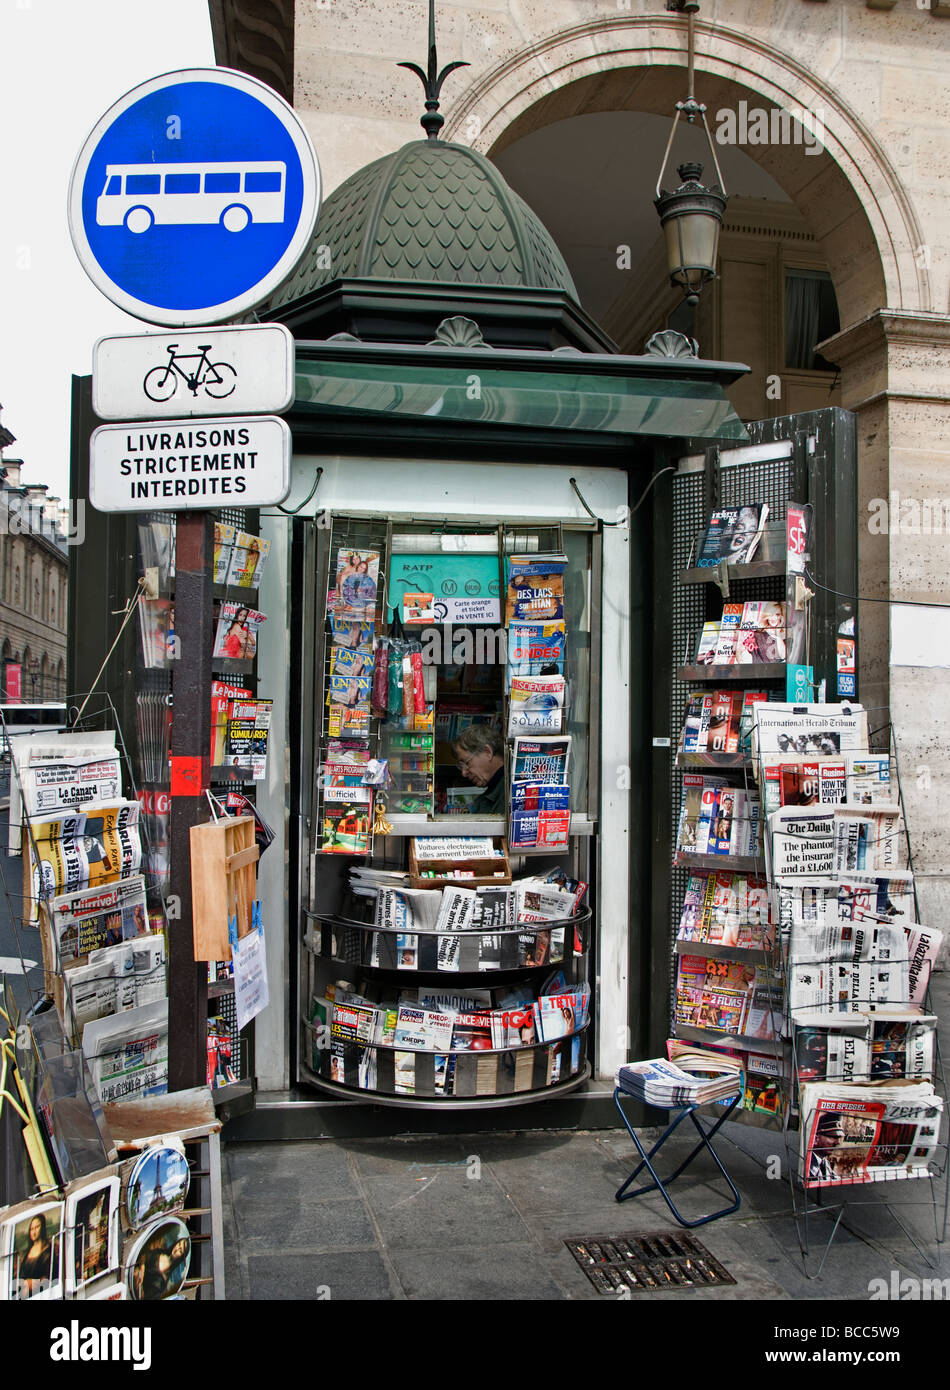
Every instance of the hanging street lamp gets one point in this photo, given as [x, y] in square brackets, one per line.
[691, 215]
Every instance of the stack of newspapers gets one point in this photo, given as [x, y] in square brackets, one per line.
[665, 1085]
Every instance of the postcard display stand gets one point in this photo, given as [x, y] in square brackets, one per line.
[240, 724]
[405, 999]
[99, 1056]
[803, 955]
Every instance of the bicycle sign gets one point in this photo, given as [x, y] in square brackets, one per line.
[217, 379]
[246, 370]
[194, 196]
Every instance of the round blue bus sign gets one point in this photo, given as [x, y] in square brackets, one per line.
[194, 196]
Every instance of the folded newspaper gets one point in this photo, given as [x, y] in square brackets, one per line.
[663, 1084]
[867, 1132]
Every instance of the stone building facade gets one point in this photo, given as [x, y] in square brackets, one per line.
[33, 565]
[573, 99]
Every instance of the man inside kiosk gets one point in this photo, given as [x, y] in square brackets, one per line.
[480, 753]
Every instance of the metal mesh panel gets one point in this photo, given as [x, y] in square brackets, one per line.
[760, 481]
[687, 616]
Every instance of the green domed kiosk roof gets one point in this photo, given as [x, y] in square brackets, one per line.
[433, 212]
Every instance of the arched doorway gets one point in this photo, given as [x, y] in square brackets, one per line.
[857, 214]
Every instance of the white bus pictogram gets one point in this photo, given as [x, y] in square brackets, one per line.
[137, 196]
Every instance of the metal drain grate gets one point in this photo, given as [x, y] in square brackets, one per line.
[648, 1264]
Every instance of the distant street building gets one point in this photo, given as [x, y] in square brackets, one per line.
[33, 562]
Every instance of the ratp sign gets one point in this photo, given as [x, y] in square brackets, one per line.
[193, 197]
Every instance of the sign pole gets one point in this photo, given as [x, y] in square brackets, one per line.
[190, 776]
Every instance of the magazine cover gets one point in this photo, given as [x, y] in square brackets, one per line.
[707, 644]
[248, 557]
[733, 535]
[536, 649]
[535, 596]
[223, 542]
[536, 704]
[157, 626]
[347, 820]
[541, 759]
[725, 653]
[236, 634]
[357, 578]
[761, 632]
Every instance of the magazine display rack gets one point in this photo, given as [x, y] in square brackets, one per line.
[728, 964]
[479, 1065]
[239, 737]
[819, 922]
[76, 820]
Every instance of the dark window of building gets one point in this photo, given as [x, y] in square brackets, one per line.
[811, 316]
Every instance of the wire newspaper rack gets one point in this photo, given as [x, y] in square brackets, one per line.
[787, 1042]
[859, 1025]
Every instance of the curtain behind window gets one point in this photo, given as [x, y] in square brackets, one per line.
[811, 315]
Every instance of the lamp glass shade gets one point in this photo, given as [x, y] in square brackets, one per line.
[692, 245]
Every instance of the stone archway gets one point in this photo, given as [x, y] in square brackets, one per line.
[852, 197]
[867, 216]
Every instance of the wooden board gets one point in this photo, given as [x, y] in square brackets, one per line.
[224, 857]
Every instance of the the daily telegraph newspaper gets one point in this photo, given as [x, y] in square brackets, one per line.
[867, 1132]
[93, 918]
[127, 1053]
[56, 773]
[73, 850]
[818, 843]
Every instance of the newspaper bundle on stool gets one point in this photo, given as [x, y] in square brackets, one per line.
[699, 1079]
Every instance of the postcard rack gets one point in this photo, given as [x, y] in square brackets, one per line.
[481, 1074]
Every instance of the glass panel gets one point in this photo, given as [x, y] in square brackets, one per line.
[143, 183]
[535, 399]
[577, 619]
